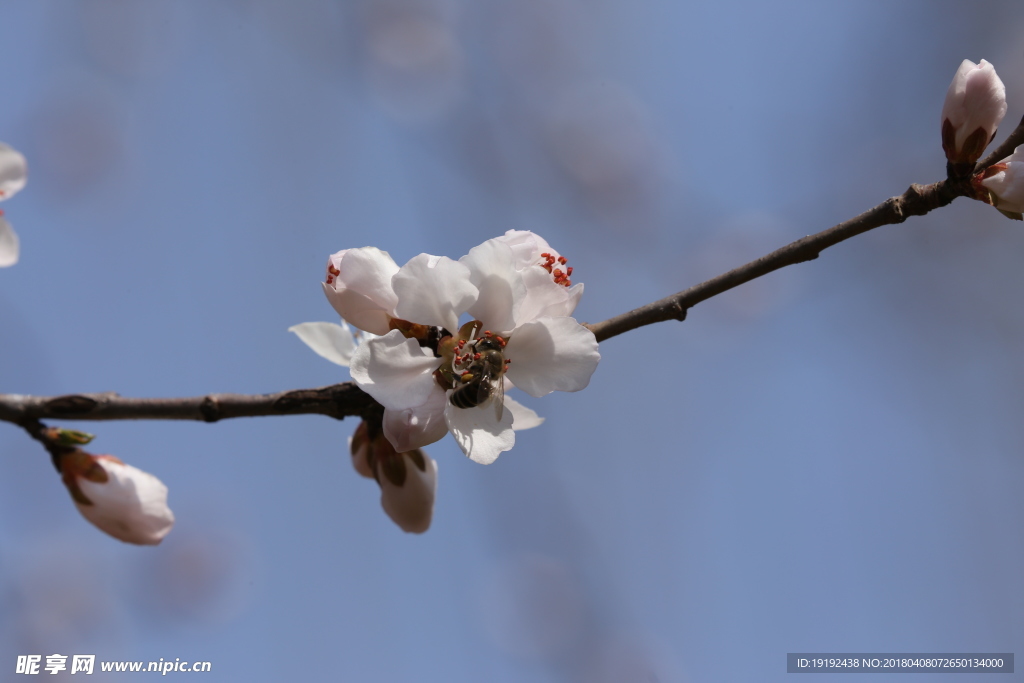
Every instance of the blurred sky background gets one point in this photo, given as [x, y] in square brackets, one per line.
[826, 460]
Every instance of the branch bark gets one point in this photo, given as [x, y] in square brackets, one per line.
[337, 401]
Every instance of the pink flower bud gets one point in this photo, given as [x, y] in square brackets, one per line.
[1004, 182]
[359, 447]
[408, 482]
[975, 105]
[125, 502]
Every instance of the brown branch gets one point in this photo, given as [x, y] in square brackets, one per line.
[337, 401]
[916, 201]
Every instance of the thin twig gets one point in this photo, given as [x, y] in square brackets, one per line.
[916, 201]
[1005, 149]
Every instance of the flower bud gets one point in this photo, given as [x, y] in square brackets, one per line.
[359, 447]
[125, 502]
[1004, 184]
[408, 482]
[975, 105]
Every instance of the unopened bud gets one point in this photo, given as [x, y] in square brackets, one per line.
[120, 500]
[69, 437]
[359, 447]
[408, 482]
[975, 105]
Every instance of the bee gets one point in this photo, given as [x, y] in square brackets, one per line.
[482, 378]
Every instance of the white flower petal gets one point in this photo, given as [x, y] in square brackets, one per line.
[394, 370]
[411, 505]
[328, 340]
[551, 354]
[493, 271]
[131, 505]
[545, 298]
[527, 247]
[479, 433]
[433, 290]
[522, 417]
[1008, 185]
[8, 244]
[13, 172]
[361, 292]
[417, 426]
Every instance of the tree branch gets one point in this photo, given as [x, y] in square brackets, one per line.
[337, 401]
[916, 201]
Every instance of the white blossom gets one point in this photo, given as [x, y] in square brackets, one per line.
[120, 500]
[523, 297]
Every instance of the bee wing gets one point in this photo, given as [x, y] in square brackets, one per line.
[498, 397]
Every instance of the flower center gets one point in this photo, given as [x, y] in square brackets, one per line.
[332, 272]
[560, 276]
[471, 355]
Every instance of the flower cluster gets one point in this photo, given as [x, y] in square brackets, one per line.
[435, 374]
[13, 174]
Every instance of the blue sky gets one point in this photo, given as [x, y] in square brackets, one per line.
[828, 459]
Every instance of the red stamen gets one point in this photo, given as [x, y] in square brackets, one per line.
[562, 260]
[568, 271]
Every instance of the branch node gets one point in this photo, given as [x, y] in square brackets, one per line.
[209, 409]
[896, 206]
[70, 405]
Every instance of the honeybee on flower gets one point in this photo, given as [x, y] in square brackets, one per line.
[432, 375]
